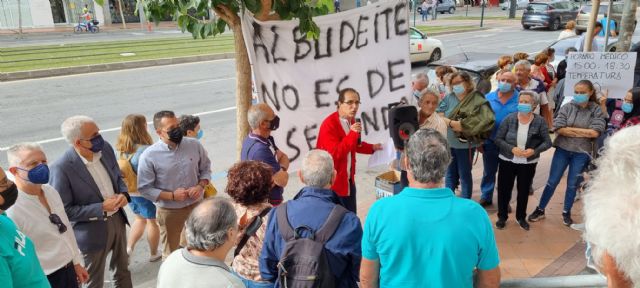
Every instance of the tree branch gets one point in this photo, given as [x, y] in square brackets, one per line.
[227, 15]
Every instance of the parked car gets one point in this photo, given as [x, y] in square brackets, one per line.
[552, 15]
[423, 48]
[584, 14]
[448, 6]
[480, 66]
[520, 4]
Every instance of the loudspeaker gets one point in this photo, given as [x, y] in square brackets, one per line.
[403, 122]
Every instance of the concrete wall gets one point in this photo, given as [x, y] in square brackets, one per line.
[41, 15]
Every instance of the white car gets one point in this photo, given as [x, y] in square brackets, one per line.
[520, 4]
[423, 48]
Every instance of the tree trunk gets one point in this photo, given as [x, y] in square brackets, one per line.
[124, 24]
[243, 85]
[627, 25]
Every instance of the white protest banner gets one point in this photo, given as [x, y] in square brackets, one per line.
[611, 71]
[366, 49]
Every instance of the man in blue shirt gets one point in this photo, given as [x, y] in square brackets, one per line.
[503, 101]
[259, 146]
[426, 236]
[309, 210]
[612, 27]
[173, 173]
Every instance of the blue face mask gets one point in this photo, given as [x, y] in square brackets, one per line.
[97, 143]
[458, 89]
[200, 134]
[627, 107]
[504, 87]
[524, 108]
[416, 94]
[38, 174]
[580, 98]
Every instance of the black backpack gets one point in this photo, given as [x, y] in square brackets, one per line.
[304, 263]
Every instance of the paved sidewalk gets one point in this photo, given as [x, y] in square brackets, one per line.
[548, 249]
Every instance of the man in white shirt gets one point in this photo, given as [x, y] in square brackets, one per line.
[40, 214]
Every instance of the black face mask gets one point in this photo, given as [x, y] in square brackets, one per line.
[275, 123]
[175, 135]
[10, 196]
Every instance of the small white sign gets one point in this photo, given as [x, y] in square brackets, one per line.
[611, 71]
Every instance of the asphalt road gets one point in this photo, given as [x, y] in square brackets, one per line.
[32, 110]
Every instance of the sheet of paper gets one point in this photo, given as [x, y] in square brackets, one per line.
[384, 156]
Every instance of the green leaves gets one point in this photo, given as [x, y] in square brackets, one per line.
[193, 15]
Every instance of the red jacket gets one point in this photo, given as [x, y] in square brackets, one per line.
[332, 139]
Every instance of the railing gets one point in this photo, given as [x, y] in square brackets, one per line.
[582, 281]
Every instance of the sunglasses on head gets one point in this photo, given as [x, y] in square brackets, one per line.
[55, 219]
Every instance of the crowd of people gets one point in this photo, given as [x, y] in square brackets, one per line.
[66, 219]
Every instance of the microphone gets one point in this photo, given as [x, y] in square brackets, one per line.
[360, 134]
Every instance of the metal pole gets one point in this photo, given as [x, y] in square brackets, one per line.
[467, 13]
[19, 19]
[482, 13]
[415, 7]
[607, 27]
[588, 39]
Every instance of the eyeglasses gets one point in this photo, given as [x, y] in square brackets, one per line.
[55, 220]
[352, 103]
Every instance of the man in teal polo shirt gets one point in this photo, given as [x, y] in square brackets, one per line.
[19, 266]
[425, 236]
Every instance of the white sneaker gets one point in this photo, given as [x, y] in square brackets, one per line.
[155, 257]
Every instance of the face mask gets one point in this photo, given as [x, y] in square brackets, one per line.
[416, 94]
[504, 87]
[175, 135]
[524, 108]
[97, 143]
[580, 98]
[627, 107]
[275, 123]
[458, 89]
[38, 174]
[200, 134]
[10, 196]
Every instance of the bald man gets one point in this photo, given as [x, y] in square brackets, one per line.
[504, 101]
[260, 146]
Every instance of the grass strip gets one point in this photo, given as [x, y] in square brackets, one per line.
[444, 28]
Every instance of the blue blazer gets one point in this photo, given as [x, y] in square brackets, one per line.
[82, 199]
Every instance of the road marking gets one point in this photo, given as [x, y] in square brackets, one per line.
[484, 35]
[45, 141]
[206, 81]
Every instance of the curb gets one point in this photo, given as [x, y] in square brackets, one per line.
[44, 73]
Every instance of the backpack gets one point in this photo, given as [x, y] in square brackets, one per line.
[304, 262]
[128, 174]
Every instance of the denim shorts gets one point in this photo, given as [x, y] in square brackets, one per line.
[143, 207]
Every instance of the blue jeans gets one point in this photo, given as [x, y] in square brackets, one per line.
[490, 161]
[254, 284]
[459, 171]
[561, 159]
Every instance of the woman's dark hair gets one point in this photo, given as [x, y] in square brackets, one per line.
[188, 122]
[343, 94]
[635, 99]
[588, 83]
[466, 79]
[249, 182]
